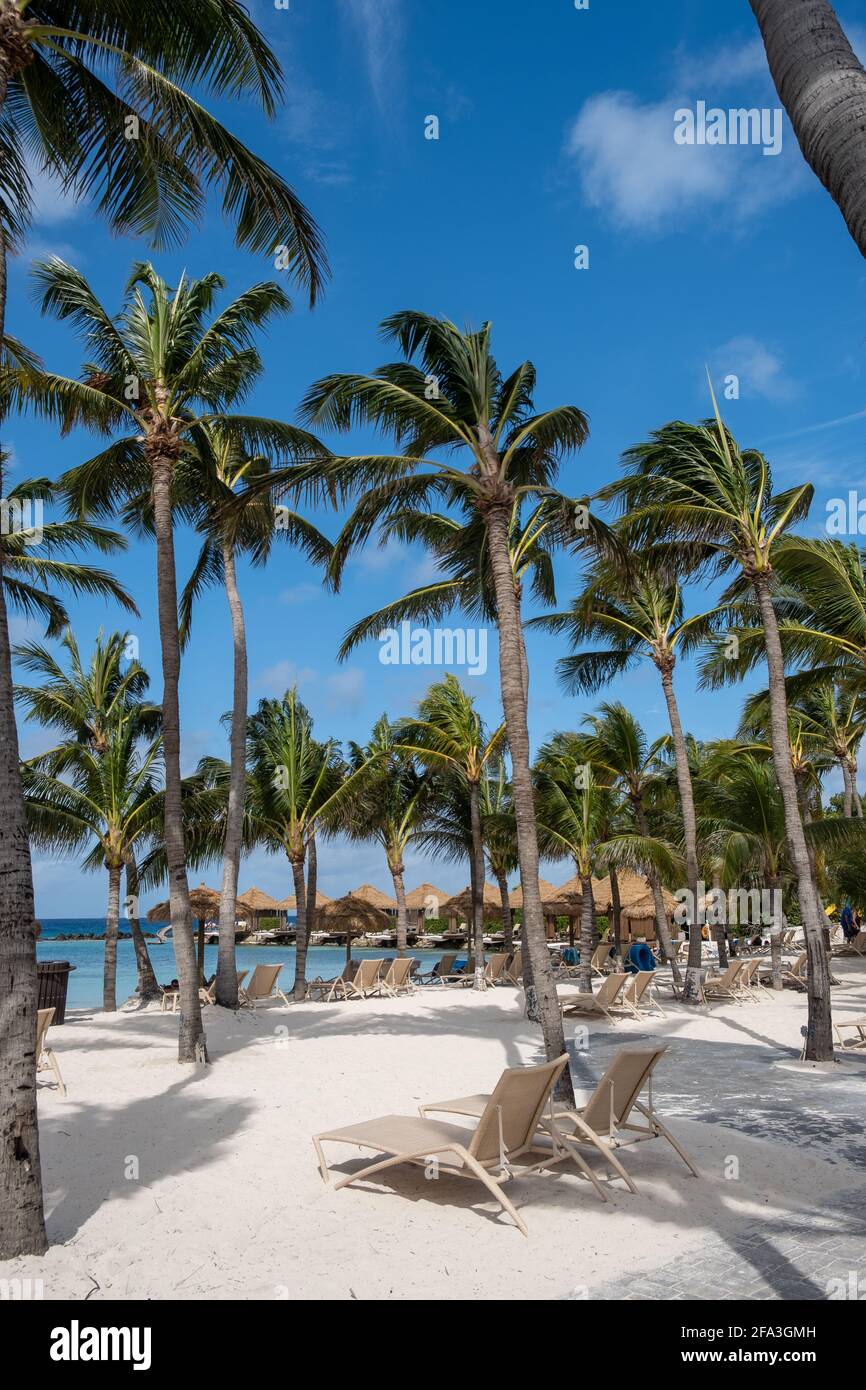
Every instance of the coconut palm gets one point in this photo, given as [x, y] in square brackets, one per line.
[636, 612]
[165, 370]
[693, 484]
[96, 95]
[448, 393]
[822, 86]
[85, 705]
[110, 799]
[448, 735]
[499, 833]
[237, 521]
[574, 810]
[389, 805]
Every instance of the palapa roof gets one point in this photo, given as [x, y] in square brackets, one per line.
[257, 901]
[352, 911]
[515, 897]
[461, 904]
[420, 897]
[374, 896]
[633, 888]
[647, 908]
[202, 900]
[290, 904]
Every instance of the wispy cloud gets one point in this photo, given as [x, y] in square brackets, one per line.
[758, 368]
[379, 25]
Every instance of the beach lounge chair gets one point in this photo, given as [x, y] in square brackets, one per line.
[262, 986]
[364, 982]
[461, 976]
[504, 1134]
[443, 966]
[859, 1027]
[514, 971]
[793, 975]
[45, 1055]
[604, 1002]
[605, 1121]
[725, 986]
[855, 947]
[601, 957]
[749, 981]
[322, 988]
[207, 993]
[494, 970]
[639, 995]
[397, 979]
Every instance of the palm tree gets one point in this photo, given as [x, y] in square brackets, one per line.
[448, 735]
[693, 484]
[619, 750]
[574, 809]
[97, 95]
[499, 833]
[448, 393]
[165, 370]
[85, 705]
[389, 805]
[235, 521]
[109, 798]
[637, 613]
[822, 86]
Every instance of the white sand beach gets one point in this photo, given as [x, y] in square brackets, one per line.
[168, 1182]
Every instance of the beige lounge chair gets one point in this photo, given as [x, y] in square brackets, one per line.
[505, 1133]
[321, 988]
[207, 993]
[793, 975]
[749, 981]
[262, 986]
[639, 995]
[494, 970]
[600, 958]
[360, 985]
[463, 976]
[605, 1121]
[45, 1055]
[397, 978]
[859, 1027]
[856, 947]
[725, 986]
[514, 972]
[444, 966]
[604, 1002]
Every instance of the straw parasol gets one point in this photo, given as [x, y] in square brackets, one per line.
[461, 904]
[373, 896]
[290, 904]
[353, 914]
[204, 902]
[515, 897]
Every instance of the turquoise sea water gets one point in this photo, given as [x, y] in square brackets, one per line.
[85, 982]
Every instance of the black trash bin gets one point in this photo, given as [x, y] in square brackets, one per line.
[53, 978]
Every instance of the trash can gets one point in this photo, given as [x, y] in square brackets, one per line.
[53, 976]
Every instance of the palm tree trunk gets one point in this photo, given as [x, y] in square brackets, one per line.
[147, 988]
[719, 934]
[586, 934]
[822, 86]
[615, 933]
[849, 790]
[112, 917]
[22, 1223]
[192, 1045]
[514, 701]
[477, 879]
[300, 990]
[507, 921]
[692, 987]
[819, 1034]
[312, 885]
[400, 895]
[662, 932]
[227, 974]
[774, 884]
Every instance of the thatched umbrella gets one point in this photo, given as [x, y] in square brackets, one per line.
[424, 897]
[203, 902]
[461, 905]
[515, 897]
[354, 914]
[374, 897]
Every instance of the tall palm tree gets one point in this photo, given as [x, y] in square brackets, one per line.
[574, 809]
[111, 799]
[693, 484]
[164, 370]
[620, 751]
[448, 393]
[390, 804]
[237, 521]
[637, 613]
[822, 86]
[86, 704]
[499, 833]
[448, 735]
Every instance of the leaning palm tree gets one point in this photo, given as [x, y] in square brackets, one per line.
[390, 805]
[822, 86]
[448, 735]
[499, 833]
[110, 799]
[636, 612]
[85, 705]
[161, 372]
[694, 485]
[237, 521]
[97, 95]
[447, 392]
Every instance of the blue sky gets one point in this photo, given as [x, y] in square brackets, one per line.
[556, 130]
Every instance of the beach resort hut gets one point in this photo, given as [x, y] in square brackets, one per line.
[424, 901]
[354, 917]
[458, 910]
[255, 904]
[290, 904]
[374, 897]
[204, 903]
[515, 897]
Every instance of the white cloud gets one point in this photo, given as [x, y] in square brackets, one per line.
[300, 593]
[346, 690]
[378, 22]
[760, 370]
[51, 204]
[283, 675]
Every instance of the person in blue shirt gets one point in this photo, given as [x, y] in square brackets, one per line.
[850, 925]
